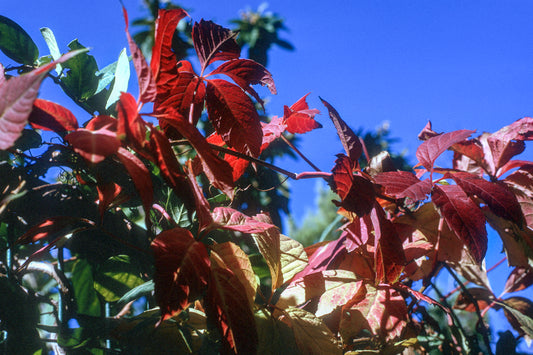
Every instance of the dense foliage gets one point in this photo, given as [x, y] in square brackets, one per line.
[145, 244]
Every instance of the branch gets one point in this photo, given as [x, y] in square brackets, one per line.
[299, 153]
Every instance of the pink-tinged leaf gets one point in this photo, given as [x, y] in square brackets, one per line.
[203, 210]
[272, 131]
[238, 262]
[380, 310]
[498, 152]
[216, 170]
[141, 179]
[472, 149]
[234, 117]
[400, 184]
[163, 58]
[432, 148]
[213, 42]
[246, 72]
[147, 88]
[94, 146]
[182, 270]
[230, 219]
[226, 304]
[521, 184]
[512, 165]
[463, 217]
[427, 132]
[54, 227]
[521, 129]
[130, 126]
[16, 100]
[496, 195]
[102, 121]
[351, 143]
[50, 116]
[357, 193]
[519, 279]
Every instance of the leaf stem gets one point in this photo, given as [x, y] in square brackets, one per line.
[293, 147]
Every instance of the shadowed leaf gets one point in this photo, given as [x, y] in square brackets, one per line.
[50, 116]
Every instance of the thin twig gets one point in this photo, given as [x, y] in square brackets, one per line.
[299, 153]
[481, 322]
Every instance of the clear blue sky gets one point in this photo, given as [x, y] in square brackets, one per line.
[460, 64]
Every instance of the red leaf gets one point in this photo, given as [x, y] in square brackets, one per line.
[230, 219]
[53, 226]
[521, 184]
[203, 211]
[238, 165]
[50, 116]
[181, 270]
[431, 149]
[217, 171]
[357, 193]
[497, 196]
[94, 146]
[234, 117]
[463, 217]
[213, 42]
[427, 132]
[141, 179]
[400, 184]
[246, 72]
[420, 296]
[102, 121]
[351, 143]
[130, 126]
[163, 59]
[16, 100]
[147, 88]
[107, 193]
[170, 168]
[227, 305]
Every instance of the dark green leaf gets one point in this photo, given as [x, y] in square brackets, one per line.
[16, 43]
[84, 292]
[80, 80]
[28, 140]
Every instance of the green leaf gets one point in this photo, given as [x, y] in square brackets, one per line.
[86, 297]
[105, 76]
[142, 290]
[116, 276]
[16, 43]
[29, 139]
[80, 80]
[275, 337]
[51, 42]
[122, 77]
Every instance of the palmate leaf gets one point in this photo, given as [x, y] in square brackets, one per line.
[351, 143]
[94, 146]
[463, 217]
[299, 118]
[16, 100]
[49, 116]
[432, 148]
[147, 88]
[234, 116]
[213, 42]
[182, 270]
[227, 305]
[230, 219]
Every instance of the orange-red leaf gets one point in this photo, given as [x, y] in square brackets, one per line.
[130, 126]
[94, 146]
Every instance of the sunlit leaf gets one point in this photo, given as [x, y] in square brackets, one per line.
[122, 77]
[213, 42]
[116, 276]
[94, 146]
[432, 148]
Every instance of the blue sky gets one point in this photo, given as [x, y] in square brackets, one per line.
[460, 64]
